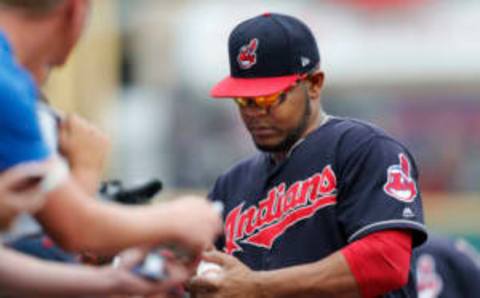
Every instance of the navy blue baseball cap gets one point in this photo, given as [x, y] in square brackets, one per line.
[268, 53]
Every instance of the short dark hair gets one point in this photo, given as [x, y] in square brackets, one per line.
[32, 6]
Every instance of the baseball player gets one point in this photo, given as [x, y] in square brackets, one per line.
[35, 36]
[447, 268]
[329, 206]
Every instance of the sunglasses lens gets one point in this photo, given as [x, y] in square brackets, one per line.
[260, 101]
[271, 99]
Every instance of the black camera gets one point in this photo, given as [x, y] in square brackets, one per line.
[115, 190]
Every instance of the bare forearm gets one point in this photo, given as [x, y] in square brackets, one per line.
[89, 180]
[23, 276]
[79, 223]
[330, 277]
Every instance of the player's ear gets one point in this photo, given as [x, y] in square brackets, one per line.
[315, 84]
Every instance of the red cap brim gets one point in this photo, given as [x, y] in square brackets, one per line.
[250, 87]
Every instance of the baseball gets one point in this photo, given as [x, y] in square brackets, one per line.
[208, 269]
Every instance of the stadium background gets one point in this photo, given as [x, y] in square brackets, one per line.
[144, 68]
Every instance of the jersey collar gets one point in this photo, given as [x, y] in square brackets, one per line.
[325, 119]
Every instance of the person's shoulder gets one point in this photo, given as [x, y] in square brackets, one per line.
[352, 127]
[15, 82]
[437, 245]
[353, 133]
[241, 173]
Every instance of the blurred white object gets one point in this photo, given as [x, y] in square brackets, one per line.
[153, 267]
[218, 206]
[208, 269]
[49, 120]
[59, 172]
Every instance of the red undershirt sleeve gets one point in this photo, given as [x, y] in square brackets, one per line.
[380, 262]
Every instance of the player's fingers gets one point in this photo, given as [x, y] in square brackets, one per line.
[202, 284]
[219, 258]
[210, 247]
[214, 256]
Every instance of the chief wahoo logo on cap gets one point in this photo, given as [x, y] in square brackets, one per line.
[247, 57]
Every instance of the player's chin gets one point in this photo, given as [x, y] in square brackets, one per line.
[268, 145]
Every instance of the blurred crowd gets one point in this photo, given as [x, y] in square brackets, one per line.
[386, 62]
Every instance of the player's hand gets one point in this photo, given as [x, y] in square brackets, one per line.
[20, 191]
[86, 149]
[194, 223]
[235, 280]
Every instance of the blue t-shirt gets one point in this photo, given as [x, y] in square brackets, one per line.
[20, 135]
[347, 179]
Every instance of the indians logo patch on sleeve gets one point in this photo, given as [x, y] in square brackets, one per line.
[400, 184]
[247, 57]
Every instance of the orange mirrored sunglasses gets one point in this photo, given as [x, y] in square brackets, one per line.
[267, 101]
[260, 101]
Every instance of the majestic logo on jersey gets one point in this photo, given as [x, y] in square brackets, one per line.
[429, 283]
[247, 57]
[400, 184]
[281, 209]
